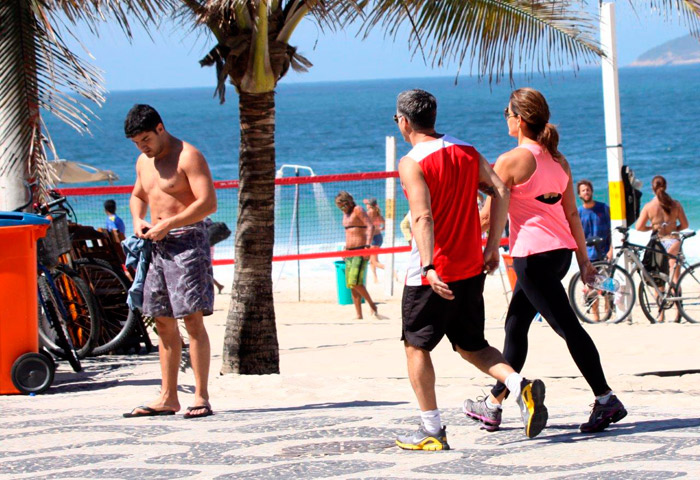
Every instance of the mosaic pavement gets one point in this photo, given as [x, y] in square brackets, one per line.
[353, 440]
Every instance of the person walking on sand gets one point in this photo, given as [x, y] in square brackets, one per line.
[664, 216]
[173, 179]
[375, 215]
[444, 287]
[544, 229]
[358, 236]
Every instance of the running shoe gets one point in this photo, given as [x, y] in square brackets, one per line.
[532, 409]
[422, 440]
[602, 415]
[478, 410]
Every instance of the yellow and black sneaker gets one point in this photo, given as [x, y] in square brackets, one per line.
[422, 440]
[532, 409]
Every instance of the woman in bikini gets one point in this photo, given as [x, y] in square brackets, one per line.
[375, 215]
[664, 216]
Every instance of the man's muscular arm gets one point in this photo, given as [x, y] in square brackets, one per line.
[422, 218]
[138, 204]
[497, 204]
[200, 181]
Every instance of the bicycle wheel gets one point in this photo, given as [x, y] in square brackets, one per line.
[110, 287]
[689, 291]
[52, 326]
[84, 322]
[596, 306]
[654, 309]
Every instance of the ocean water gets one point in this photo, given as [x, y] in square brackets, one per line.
[340, 127]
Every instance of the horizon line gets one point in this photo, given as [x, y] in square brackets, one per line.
[585, 68]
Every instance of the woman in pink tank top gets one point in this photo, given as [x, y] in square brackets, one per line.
[545, 229]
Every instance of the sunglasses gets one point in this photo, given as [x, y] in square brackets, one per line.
[508, 115]
[396, 117]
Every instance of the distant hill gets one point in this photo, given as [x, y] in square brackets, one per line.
[681, 51]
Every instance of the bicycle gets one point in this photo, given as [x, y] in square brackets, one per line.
[78, 305]
[657, 290]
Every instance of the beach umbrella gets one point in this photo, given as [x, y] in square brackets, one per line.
[74, 172]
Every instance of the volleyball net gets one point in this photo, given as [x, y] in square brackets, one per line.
[308, 225]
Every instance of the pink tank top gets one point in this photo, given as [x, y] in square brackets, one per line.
[537, 220]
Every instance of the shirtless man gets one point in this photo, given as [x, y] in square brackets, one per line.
[173, 179]
[358, 236]
[666, 216]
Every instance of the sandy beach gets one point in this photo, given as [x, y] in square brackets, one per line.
[343, 394]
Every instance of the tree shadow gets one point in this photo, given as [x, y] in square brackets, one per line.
[81, 384]
[317, 406]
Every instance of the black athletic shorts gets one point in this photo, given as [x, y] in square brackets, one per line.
[427, 317]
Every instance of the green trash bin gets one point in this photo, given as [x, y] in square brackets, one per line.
[344, 295]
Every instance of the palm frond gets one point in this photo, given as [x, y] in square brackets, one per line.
[688, 11]
[496, 36]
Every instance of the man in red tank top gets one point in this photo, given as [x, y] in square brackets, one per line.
[443, 294]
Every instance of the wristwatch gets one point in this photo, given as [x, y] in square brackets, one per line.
[424, 270]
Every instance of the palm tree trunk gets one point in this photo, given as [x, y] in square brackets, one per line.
[19, 109]
[250, 342]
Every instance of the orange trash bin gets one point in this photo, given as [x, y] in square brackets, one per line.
[19, 333]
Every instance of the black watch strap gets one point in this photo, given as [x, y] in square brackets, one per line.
[424, 270]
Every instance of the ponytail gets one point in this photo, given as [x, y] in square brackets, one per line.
[531, 106]
[549, 139]
[658, 185]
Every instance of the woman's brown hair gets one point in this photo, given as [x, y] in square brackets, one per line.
[658, 185]
[532, 107]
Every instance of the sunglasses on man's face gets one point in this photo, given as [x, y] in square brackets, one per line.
[396, 117]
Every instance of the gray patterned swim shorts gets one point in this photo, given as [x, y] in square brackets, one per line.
[180, 277]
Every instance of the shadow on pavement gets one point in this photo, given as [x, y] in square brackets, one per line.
[621, 429]
[319, 406]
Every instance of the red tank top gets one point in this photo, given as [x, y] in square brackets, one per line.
[451, 171]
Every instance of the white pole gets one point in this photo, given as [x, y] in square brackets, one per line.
[390, 214]
[613, 124]
[613, 128]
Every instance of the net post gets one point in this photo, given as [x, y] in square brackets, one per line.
[390, 213]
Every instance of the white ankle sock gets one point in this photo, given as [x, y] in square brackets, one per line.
[493, 406]
[513, 383]
[603, 399]
[431, 420]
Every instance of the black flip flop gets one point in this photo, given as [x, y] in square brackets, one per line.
[207, 411]
[147, 412]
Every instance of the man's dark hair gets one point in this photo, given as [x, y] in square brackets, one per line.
[111, 206]
[583, 182]
[141, 118]
[419, 107]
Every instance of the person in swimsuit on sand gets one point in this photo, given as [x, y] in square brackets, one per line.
[358, 236]
[666, 216]
[375, 214]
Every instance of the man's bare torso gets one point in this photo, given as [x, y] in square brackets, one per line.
[165, 183]
[356, 228]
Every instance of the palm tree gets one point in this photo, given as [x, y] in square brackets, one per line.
[38, 71]
[253, 52]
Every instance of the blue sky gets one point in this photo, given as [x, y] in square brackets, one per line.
[170, 58]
